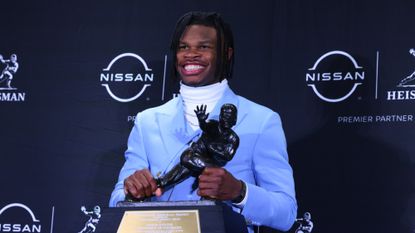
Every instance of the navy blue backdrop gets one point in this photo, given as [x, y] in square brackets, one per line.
[338, 72]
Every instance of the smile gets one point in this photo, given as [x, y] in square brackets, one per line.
[193, 69]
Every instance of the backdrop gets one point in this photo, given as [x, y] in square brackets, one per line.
[340, 74]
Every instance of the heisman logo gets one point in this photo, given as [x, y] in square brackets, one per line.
[8, 68]
[115, 75]
[406, 85]
[406, 82]
[338, 71]
[8, 71]
[19, 227]
[305, 225]
[92, 222]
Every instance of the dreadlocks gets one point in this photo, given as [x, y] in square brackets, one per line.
[224, 65]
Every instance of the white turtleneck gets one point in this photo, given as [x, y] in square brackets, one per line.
[193, 96]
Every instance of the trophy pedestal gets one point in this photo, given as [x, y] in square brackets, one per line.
[142, 217]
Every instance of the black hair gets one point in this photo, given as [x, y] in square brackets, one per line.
[224, 65]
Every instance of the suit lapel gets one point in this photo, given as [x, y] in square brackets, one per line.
[173, 130]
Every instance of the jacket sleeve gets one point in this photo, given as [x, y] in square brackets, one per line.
[271, 201]
[135, 159]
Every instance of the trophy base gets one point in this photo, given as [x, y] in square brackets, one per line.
[167, 203]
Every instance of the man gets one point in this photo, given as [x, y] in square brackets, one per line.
[258, 180]
[9, 70]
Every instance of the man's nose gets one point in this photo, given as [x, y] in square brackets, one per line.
[192, 53]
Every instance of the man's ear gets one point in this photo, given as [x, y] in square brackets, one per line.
[230, 53]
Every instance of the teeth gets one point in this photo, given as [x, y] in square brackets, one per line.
[192, 67]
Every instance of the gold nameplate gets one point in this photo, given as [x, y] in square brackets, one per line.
[151, 221]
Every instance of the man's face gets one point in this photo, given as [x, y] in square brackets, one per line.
[196, 56]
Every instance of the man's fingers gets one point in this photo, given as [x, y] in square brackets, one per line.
[217, 183]
[209, 179]
[140, 184]
[212, 193]
[205, 193]
[130, 188]
[217, 171]
[210, 182]
[147, 182]
[158, 192]
[144, 180]
[150, 179]
[209, 190]
[143, 184]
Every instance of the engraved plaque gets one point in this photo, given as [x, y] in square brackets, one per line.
[164, 221]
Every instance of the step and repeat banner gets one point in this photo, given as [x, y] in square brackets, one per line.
[340, 73]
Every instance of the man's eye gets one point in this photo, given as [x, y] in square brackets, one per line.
[183, 47]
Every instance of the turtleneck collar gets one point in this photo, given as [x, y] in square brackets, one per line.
[193, 96]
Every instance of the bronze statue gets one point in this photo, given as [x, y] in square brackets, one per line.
[215, 147]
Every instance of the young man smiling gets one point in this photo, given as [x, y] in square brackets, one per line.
[258, 181]
[196, 56]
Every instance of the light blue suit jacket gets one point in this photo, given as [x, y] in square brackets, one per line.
[160, 135]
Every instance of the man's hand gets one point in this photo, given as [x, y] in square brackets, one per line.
[217, 183]
[141, 184]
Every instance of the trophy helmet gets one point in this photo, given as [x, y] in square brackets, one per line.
[97, 209]
[13, 57]
[307, 215]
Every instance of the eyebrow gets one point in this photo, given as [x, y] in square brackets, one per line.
[200, 42]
